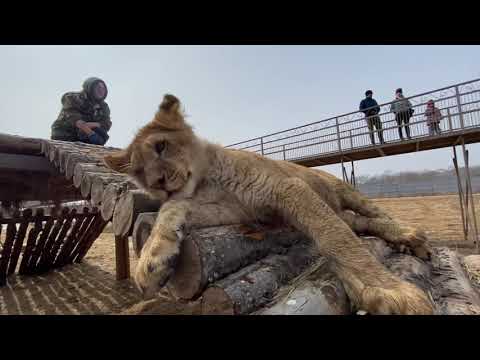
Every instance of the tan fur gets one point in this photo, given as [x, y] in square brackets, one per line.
[204, 184]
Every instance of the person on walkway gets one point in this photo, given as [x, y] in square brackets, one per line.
[85, 116]
[371, 109]
[433, 115]
[403, 112]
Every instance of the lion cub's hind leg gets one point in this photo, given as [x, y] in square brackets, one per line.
[368, 283]
[403, 239]
[374, 221]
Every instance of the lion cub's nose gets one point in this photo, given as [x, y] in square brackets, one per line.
[159, 183]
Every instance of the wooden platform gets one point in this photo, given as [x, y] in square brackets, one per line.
[37, 169]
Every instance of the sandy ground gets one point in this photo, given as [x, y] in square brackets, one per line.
[91, 288]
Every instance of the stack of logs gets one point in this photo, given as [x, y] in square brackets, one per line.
[240, 270]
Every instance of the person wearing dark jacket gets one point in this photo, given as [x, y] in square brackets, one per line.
[371, 109]
[85, 116]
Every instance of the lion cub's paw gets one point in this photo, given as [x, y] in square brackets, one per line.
[403, 299]
[414, 242]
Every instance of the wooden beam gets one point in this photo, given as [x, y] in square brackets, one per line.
[30, 185]
[11, 144]
[122, 258]
[19, 162]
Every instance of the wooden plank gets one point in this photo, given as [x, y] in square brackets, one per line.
[82, 221]
[122, 258]
[71, 239]
[45, 254]
[6, 251]
[61, 238]
[97, 229]
[19, 238]
[32, 237]
[83, 238]
[39, 246]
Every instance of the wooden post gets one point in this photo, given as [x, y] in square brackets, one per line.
[460, 192]
[122, 257]
[469, 187]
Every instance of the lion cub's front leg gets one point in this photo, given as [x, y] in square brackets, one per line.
[161, 250]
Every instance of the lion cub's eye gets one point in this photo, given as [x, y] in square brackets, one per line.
[160, 147]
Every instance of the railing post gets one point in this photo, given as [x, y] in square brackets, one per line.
[459, 107]
[449, 119]
[284, 152]
[261, 144]
[351, 139]
[338, 135]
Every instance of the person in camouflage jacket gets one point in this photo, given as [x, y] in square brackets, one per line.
[85, 116]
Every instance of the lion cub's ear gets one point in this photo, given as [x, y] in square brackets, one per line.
[119, 162]
[169, 114]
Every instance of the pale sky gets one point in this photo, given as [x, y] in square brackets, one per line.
[232, 93]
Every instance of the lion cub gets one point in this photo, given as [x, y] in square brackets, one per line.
[205, 184]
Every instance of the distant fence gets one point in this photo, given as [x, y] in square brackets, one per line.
[418, 188]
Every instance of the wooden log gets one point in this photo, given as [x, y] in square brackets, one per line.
[318, 293]
[73, 159]
[453, 291]
[211, 253]
[110, 196]
[31, 239]
[128, 207]
[322, 295]
[100, 184]
[86, 185]
[471, 263]
[19, 238]
[20, 145]
[253, 286]
[82, 168]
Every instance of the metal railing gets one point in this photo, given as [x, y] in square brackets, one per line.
[459, 105]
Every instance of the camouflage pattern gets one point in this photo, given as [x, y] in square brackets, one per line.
[80, 106]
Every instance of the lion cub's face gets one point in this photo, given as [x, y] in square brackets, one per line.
[160, 158]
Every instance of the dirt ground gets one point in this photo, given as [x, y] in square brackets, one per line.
[91, 288]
